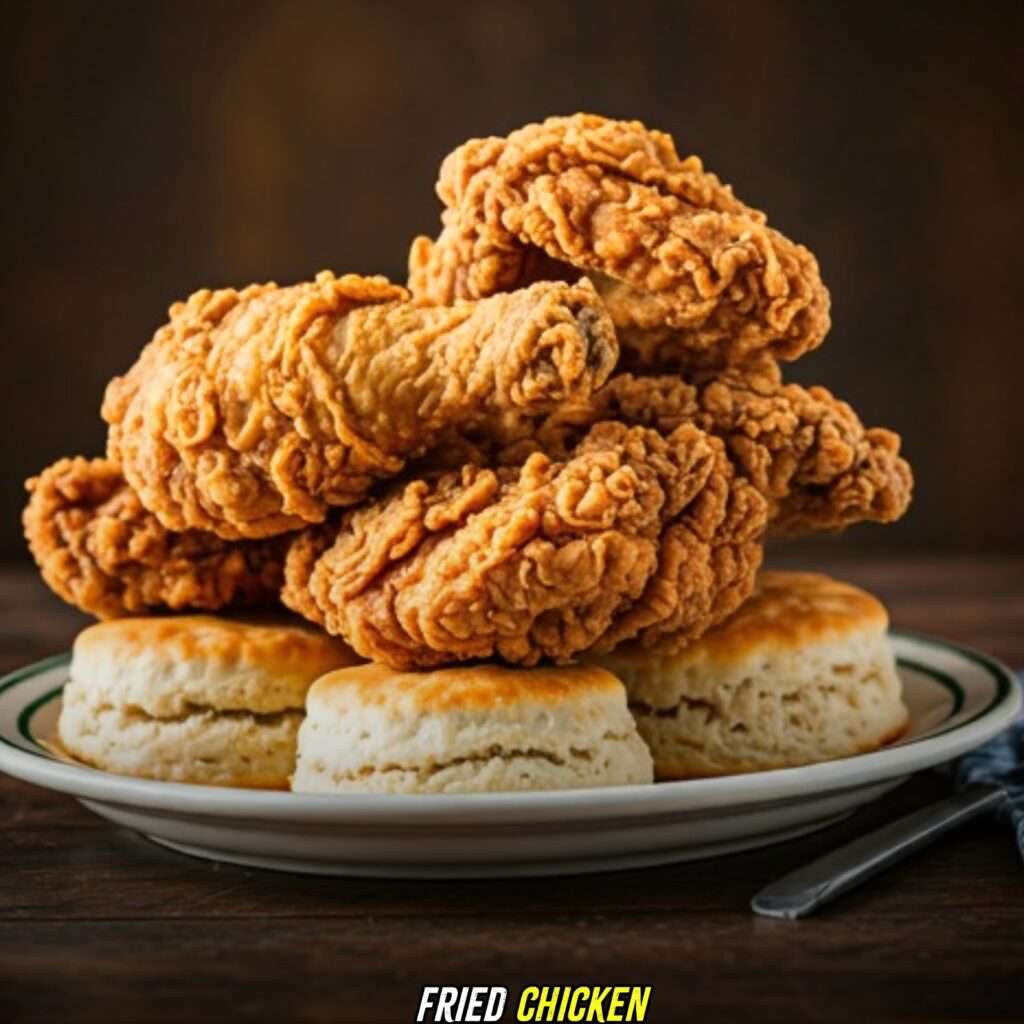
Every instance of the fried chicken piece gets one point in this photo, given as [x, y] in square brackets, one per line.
[100, 550]
[304, 551]
[804, 450]
[690, 275]
[252, 412]
[632, 535]
[703, 574]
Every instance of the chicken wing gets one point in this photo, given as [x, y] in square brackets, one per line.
[633, 534]
[99, 549]
[251, 413]
[687, 270]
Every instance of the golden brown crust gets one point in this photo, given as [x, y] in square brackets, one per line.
[707, 562]
[794, 610]
[803, 449]
[251, 413]
[99, 549]
[465, 688]
[304, 550]
[291, 653]
[806, 451]
[686, 269]
[633, 533]
[786, 611]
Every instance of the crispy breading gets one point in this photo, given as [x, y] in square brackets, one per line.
[99, 549]
[805, 450]
[251, 413]
[632, 534]
[690, 274]
[304, 550]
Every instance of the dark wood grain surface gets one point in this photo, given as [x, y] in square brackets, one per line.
[97, 923]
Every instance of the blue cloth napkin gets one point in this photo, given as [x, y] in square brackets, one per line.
[1001, 760]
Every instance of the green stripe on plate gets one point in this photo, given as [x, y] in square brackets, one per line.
[33, 670]
[24, 719]
[998, 671]
[29, 710]
[940, 677]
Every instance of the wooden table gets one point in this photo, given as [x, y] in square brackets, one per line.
[98, 923]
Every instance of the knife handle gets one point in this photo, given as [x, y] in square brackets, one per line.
[801, 892]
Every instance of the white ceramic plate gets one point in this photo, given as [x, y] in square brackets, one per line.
[957, 698]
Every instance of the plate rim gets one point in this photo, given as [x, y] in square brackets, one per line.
[682, 796]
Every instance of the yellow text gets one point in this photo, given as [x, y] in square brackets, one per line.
[611, 1003]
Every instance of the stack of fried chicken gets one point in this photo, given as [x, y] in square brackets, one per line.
[571, 432]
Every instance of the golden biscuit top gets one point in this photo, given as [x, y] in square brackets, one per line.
[787, 611]
[279, 646]
[464, 688]
[794, 609]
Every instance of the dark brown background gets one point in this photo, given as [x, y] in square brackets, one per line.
[148, 149]
[153, 148]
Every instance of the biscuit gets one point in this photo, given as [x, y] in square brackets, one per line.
[194, 698]
[475, 729]
[802, 672]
